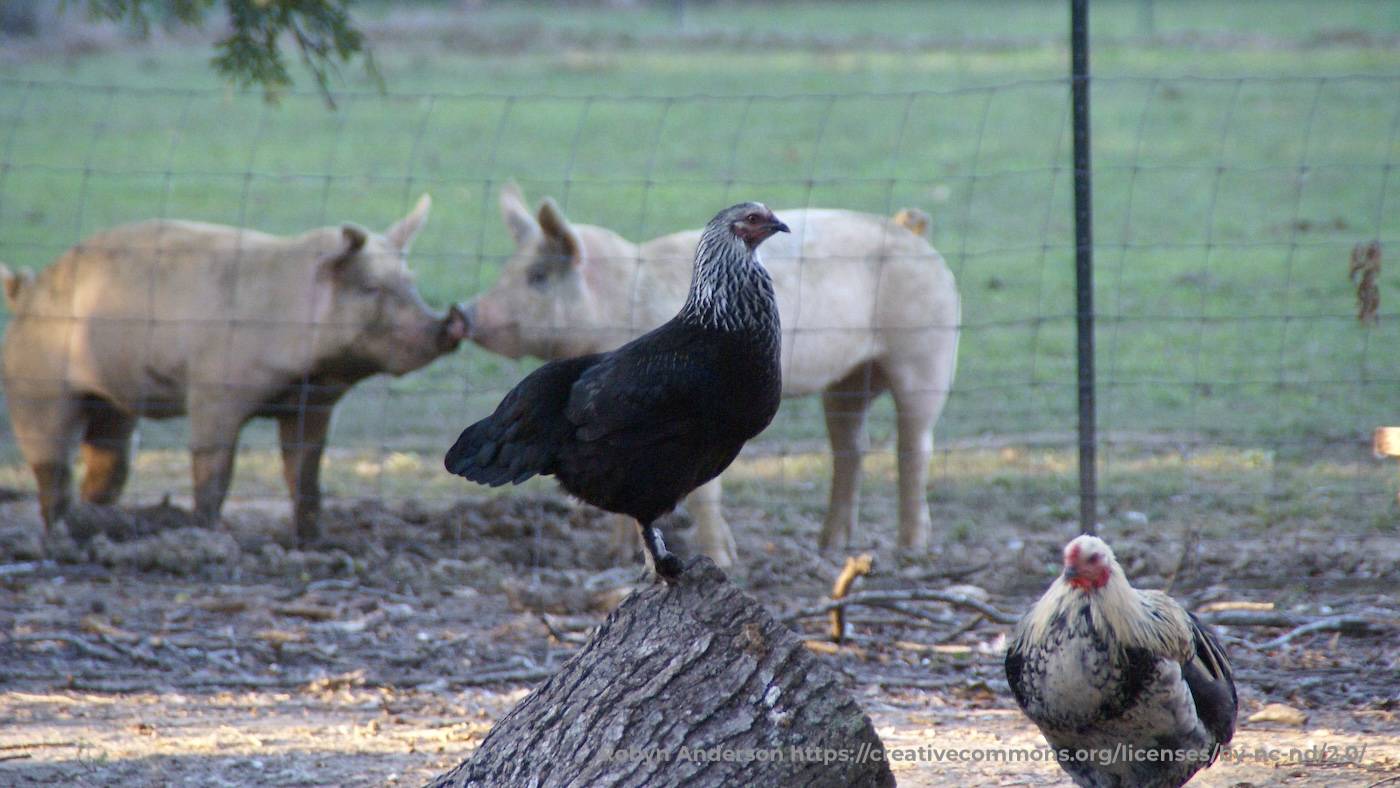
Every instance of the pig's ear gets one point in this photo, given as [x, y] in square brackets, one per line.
[558, 230]
[402, 233]
[516, 214]
[352, 240]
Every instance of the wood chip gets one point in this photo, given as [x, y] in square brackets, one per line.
[307, 611]
[827, 647]
[280, 636]
[1216, 607]
[1281, 713]
[97, 626]
[932, 648]
[221, 604]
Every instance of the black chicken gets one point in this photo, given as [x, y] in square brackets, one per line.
[636, 430]
[1128, 687]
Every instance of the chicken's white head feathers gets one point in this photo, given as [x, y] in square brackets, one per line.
[1090, 564]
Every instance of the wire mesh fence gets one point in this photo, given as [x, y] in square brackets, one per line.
[1227, 212]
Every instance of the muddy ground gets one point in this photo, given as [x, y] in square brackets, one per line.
[163, 653]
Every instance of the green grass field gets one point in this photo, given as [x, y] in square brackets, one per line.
[1232, 181]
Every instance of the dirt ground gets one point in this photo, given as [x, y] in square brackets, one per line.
[161, 653]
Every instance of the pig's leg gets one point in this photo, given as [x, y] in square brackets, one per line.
[214, 429]
[917, 402]
[712, 534]
[46, 427]
[845, 403]
[303, 438]
[106, 452]
[53, 479]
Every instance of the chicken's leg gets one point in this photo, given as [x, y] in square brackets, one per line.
[668, 566]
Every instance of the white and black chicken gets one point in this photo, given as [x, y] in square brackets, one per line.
[1128, 688]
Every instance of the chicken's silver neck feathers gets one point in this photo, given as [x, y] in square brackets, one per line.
[730, 289]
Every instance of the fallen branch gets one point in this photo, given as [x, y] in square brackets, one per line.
[563, 632]
[1362, 622]
[959, 574]
[1188, 549]
[1354, 624]
[1218, 607]
[918, 619]
[963, 630]
[1252, 618]
[913, 612]
[305, 610]
[924, 684]
[502, 677]
[881, 598]
[117, 687]
[84, 647]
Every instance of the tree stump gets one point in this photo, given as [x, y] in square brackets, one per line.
[691, 684]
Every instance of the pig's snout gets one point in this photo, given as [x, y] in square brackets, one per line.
[469, 314]
[491, 325]
[454, 328]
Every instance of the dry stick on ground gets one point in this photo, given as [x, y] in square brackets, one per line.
[964, 629]
[913, 612]
[901, 620]
[1354, 624]
[1188, 548]
[501, 677]
[882, 598]
[698, 665]
[960, 573]
[84, 647]
[566, 631]
[1364, 623]
[1361, 622]
[855, 568]
[1233, 604]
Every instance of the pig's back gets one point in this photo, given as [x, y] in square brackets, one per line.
[128, 302]
[852, 288]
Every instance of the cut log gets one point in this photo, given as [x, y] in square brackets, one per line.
[691, 684]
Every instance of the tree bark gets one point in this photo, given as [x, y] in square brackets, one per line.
[691, 684]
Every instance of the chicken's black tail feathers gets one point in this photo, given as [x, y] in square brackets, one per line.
[484, 455]
[524, 436]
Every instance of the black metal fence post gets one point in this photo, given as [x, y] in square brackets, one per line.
[1084, 262]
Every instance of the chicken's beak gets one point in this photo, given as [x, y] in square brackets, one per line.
[778, 227]
[1071, 573]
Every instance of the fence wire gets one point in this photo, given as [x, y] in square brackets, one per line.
[1227, 213]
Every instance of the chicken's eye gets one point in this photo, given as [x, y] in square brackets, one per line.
[1094, 559]
[751, 218]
